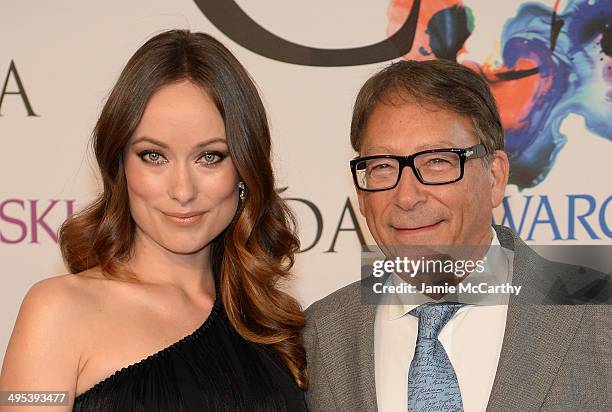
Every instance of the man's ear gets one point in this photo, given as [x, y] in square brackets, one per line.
[499, 169]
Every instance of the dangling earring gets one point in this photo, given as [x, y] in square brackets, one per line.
[241, 191]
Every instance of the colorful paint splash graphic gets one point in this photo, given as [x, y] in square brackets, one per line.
[554, 63]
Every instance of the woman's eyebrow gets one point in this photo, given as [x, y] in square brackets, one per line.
[165, 146]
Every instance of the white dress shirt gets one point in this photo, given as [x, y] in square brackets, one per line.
[472, 339]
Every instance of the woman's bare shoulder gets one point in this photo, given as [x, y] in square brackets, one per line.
[61, 304]
[49, 330]
[67, 294]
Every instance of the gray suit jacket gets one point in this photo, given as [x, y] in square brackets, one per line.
[555, 356]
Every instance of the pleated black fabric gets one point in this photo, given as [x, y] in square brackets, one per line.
[213, 369]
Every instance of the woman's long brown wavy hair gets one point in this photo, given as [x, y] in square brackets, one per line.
[257, 250]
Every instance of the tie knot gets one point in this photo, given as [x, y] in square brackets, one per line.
[433, 317]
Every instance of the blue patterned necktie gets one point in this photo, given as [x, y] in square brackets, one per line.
[432, 383]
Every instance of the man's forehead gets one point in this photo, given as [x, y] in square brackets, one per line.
[410, 113]
[390, 148]
[411, 128]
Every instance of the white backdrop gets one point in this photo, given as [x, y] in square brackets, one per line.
[68, 53]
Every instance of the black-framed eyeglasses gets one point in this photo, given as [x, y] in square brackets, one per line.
[431, 167]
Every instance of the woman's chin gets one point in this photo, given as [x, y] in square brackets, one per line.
[184, 247]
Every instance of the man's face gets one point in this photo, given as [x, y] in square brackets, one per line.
[454, 214]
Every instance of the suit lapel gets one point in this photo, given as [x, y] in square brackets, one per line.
[536, 337]
[536, 340]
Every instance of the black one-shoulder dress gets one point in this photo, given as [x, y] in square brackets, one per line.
[213, 369]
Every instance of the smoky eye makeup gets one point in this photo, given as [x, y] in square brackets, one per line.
[151, 156]
[207, 153]
[212, 157]
[206, 158]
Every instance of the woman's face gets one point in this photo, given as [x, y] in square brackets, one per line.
[182, 184]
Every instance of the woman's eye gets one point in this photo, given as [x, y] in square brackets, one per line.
[212, 158]
[152, 157]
